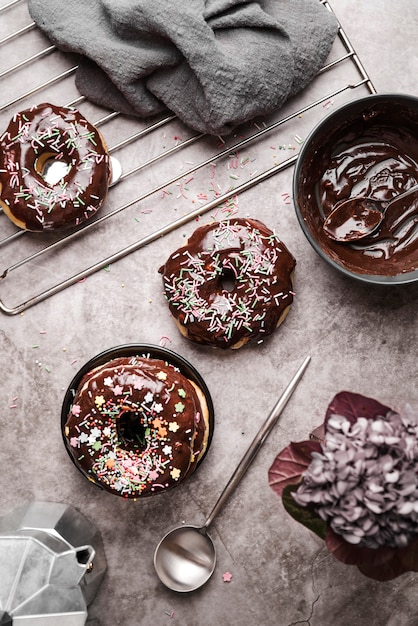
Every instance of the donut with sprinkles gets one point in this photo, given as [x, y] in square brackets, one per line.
[38, 141]
[230, 284]
[137, 426]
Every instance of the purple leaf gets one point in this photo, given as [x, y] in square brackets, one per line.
[356, 555]
[353, 405]
[380, 564]
[403, 560]
[290, 463]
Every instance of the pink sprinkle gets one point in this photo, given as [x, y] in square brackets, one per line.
[13, 406]
[233, 163]
[181, 191]
[164, 339]
[227, 577]
[42, 332]
[74, 361]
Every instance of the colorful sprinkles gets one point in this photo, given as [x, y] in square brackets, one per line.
[128, 430]
[48, 133]
[231, 281]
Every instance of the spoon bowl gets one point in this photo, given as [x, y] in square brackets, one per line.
[185, 558]
[356, 218]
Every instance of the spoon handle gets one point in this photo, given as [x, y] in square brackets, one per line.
[404, 194]
[257, 442]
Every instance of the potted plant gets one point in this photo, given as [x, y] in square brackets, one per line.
[354, 483]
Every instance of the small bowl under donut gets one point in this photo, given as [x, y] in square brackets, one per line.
[145, 351]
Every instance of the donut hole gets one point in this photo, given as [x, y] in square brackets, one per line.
[130, 427]
[228, 280]
[50, 168]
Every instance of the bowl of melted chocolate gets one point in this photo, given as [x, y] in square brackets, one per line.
[367, 148]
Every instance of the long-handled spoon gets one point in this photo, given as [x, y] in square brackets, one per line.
[185, 558]
[357, 218]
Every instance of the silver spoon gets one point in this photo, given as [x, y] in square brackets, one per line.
[185, 558]
[357, 218]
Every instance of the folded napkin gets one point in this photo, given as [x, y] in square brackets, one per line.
[214, 63]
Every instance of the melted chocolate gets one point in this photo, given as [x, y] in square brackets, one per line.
[374, 156]
[50, 133]
[231, 283]
[353, 219]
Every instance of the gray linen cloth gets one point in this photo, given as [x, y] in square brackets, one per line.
[214, 63]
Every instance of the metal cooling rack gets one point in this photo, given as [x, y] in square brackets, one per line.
[181, 175]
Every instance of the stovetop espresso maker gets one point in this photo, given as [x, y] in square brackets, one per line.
[52, 562]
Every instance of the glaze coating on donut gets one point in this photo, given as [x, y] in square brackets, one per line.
[231, 283]
[34, 139]
[137, 426]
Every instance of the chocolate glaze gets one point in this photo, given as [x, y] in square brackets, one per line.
[371, 150]
[62, 134]
[136, 426]
[231, 283]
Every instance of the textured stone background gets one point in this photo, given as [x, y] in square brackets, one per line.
[361, 338]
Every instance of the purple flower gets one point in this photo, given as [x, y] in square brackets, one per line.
[364, 483]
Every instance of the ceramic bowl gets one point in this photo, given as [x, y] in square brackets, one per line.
[141, 350]
[367, 147]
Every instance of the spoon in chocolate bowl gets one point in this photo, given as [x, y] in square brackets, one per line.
[359, 217]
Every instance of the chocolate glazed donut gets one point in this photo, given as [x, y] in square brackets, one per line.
[48, 135]
[231, 283]
[137, 426]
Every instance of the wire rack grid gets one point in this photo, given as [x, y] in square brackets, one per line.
[144, 204]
